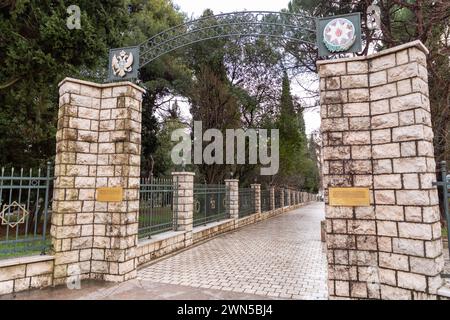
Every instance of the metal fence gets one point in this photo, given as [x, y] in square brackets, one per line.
[265, 200]
[444, 187]
[246, 202]
[209, 203]
[157, 206]
[278, 198]
[25, 211]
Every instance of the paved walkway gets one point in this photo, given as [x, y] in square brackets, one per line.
[280, 258]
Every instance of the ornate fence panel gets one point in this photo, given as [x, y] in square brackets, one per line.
[246, 202]
[25, 211]
[209, 203]
[156, 206]
[265, 200]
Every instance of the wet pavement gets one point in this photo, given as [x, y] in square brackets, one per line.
[279, 258]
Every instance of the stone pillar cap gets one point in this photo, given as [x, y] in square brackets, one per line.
[413, 44]
[101, 85]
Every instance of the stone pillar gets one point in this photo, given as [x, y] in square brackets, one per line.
[257, 197]
[232, 197]
[376, 129]
[98, 146]
[282, 198]
[272, 198]
[184, 203]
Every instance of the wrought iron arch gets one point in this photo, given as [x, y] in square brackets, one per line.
[289, 26]
[125, 62]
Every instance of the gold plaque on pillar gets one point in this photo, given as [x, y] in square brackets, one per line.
[110, 194]
[349, 197]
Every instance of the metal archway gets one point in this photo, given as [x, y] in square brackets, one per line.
[282, 25]
[287, 26]
[125, 62]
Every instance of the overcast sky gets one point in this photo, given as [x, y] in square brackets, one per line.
[196, 7]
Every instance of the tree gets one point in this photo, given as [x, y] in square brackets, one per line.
[311, 170]
[211, 96]
[37, 50]
[164, 77]
[294, 162]
[163, 165]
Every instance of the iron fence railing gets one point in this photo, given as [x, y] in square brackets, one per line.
[209, 203]
[157, 206]
[444, 187]
[265, 200]
[25, 211]
[246, 202]
[278, 198]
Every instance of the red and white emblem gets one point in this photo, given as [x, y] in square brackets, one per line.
[339, 35]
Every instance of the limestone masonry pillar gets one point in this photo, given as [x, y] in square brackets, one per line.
[184, 203]
[256, 197]
[232, 196]
[376, 130]
[98, 146]
[272, 198]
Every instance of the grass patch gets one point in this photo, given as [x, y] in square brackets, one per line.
[32, 247]
[155, 216]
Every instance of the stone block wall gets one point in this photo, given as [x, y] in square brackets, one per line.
[203, 233]
[26, 273]
[161, 245]
[98, 145]
[376, 130]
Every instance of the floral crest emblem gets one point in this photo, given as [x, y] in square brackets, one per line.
[339, 35]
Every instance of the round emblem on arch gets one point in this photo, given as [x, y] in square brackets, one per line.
[339, 35]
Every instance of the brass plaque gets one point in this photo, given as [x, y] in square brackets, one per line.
[110, 194]
[349, 197]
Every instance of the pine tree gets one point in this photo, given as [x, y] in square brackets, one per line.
[292, 143]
